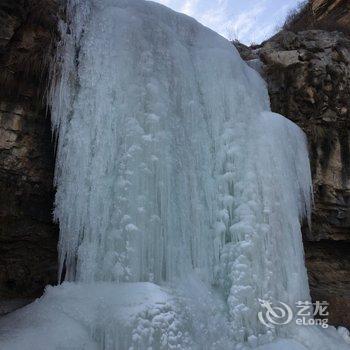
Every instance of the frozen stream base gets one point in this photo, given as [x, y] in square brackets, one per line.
[136, 316]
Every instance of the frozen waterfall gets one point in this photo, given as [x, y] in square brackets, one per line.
[180, 196]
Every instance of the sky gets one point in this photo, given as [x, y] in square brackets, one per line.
[249, 21]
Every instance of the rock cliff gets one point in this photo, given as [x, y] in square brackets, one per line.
[308, 77]
[28, 238]
[332, 11]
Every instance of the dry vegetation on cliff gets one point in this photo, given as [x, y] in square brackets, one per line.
[304, 17]
[25, 57]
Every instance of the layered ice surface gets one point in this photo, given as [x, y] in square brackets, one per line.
[180, 196]
[104, 315]
[96, 316]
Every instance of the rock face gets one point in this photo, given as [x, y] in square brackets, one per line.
[28, 238]
[308, 76]
[332, 10]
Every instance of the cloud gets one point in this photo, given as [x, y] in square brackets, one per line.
[189, 7]
[248, 21]
[244, 25]
[165, 2]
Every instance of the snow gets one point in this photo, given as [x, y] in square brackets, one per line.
[82, 316]
[180, 195]
[282, 344]
[10, 305]
[344, 333]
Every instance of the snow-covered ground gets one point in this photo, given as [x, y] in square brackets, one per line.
[76, 316]
[95, 316]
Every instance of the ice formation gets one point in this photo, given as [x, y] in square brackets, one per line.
[180, 196]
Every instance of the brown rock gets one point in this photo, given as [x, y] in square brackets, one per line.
[28, 238]
[323, 260]
[332, 10]
[317, 97]
[308, 76]
[7, 139]
[280, 58]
